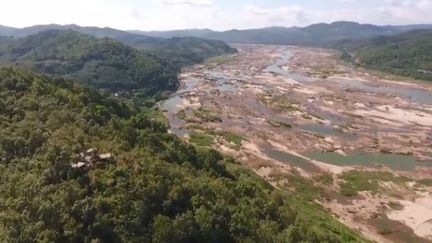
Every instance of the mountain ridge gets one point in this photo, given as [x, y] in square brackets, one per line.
[319, 34]
[108, 58]
[293, 35]
[151, 45]
[104, 63]
[406, 54]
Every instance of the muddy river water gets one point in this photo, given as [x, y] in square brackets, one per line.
[298, 105]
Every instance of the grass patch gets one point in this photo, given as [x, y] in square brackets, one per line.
[155, 114]
[385, 227]
[219, 59]
[233, 138]
[357, 181]
[181, 115]
[230, 137]
[394, 231]
[303, 187]
[324, 179]
[279, 101]
[425, 182]
[201, 139]
[308, 212]
[279, 124]
[205, 114]
[195, 127]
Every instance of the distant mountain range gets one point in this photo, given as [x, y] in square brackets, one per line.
[316, 35]
[397, 49]
[403, 50]
[120, 35]
[176, 33]
[106, 58]
[187, 49]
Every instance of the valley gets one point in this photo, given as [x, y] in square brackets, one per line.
[357, 143]
[185, 121]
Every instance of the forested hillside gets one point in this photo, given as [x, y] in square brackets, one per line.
[178, 51]
[314, 35]
[93, 31]
[5, 40]
[137, 184]
[322, 34]
[103, 63]
[408, 54]
[107, 63]
[187, 50]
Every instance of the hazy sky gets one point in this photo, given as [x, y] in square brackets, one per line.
[215, 14]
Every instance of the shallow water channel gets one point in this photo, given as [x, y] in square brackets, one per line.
[414, 94]
[290, 159]
[392, 161]
[219, 81]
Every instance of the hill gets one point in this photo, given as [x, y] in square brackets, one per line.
[175, 33]
[7, 31]
[314, 35]
[80, 166]
[322, 34]
[119, 35]
[5, 40]
[186, 50]
[407, 54]
[104, 63]
[199, 48]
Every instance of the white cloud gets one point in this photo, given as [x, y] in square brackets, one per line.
[404, 12]
[253, 15]
[178, 14]
[192, 3]
[22, 13]
[394, 12]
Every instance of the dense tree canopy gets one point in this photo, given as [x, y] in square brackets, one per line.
[108, 63]
[186, 50]
[103, 63]
[155, 189]
[408, 54]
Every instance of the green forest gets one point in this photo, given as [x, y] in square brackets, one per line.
[107, 63]
[153, 187]
[186, 50]
[103, 63]
[407, 54]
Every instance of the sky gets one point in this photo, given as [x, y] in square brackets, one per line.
[213, 14]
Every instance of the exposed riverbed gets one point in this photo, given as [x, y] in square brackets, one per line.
[279, 109]
[267, 97]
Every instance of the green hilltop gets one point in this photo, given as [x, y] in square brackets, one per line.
[103, 63]
[137, 182]
[107, 63]
[407, 54]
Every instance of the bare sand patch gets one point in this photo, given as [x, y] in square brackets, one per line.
[264, 171]
[358, 212]
[306, 90]
[403, 116]
[417, 215]
[256, 89]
